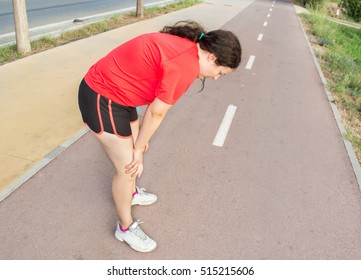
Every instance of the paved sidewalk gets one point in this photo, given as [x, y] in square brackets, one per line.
[39, 112]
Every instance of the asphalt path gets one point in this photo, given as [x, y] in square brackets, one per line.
[280, 186]
[54, 16]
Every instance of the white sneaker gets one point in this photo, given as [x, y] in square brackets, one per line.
[135, 238]
[143, 198]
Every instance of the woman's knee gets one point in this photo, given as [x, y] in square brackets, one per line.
[125, 177]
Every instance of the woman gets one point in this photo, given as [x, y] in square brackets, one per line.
[153, 69]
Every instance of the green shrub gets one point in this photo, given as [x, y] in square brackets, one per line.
[352, 8]
[315, 4]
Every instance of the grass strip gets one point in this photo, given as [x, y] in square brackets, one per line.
[9, 53]
[338, 49]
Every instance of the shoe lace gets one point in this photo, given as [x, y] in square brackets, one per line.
[138, 231]
[141, 191]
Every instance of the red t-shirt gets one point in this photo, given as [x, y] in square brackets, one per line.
[149, 66]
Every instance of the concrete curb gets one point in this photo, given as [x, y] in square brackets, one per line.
[41, 164]
[350, 151]
[349, 24]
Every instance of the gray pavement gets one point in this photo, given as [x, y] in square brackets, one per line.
[281, 187]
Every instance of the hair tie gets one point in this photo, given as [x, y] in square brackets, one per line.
[201, 36]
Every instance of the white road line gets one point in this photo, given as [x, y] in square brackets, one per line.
[268, 15]
[265, 23]
[260, 37]
[270, 10]
[250, 62]
[224, 127]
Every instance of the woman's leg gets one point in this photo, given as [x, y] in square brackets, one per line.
[120, 152]
[141, 196]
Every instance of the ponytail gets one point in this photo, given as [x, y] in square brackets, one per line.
[190, 30]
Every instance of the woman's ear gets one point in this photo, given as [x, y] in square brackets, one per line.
[211, 57]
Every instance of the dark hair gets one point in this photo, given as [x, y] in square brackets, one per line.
[223, 44]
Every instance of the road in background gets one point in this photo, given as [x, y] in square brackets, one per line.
[54, 16]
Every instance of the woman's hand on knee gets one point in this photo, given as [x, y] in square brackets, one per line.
[135, 168]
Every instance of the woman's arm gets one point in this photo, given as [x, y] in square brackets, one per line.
[153, 117]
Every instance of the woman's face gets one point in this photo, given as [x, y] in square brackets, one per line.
[209, 68]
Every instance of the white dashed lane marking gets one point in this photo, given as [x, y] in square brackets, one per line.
[250, 62]
[224, 127]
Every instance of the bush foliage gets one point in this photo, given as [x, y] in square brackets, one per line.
[352, 8]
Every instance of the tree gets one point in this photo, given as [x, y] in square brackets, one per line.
[21, 27]
[352, 8]
[139, 11]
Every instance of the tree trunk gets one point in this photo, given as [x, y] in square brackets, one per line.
[139, 11]
[21, 27]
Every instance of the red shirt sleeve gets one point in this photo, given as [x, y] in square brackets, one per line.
[178, 75]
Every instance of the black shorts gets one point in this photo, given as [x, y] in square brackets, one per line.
[102, 114]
